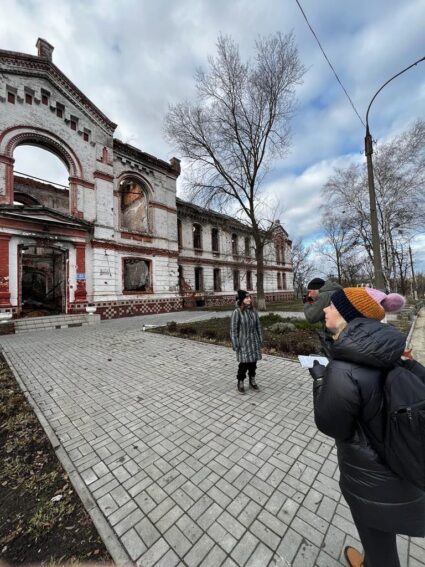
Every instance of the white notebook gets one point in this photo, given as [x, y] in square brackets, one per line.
[308, 361]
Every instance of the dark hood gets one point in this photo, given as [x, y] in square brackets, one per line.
[329, 285]
[370, 343]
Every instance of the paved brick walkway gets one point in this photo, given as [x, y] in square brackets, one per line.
[175, 466]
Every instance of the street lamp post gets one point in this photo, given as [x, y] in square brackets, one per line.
[376, 246]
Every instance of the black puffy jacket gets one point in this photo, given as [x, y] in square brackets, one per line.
[348, 406]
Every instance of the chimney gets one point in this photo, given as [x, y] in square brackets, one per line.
[45, 50]
[175, 165]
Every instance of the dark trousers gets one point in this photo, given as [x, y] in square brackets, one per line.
[380, 548]
[245, 367]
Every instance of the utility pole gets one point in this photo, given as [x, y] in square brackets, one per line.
[415, 293]
[376, 245]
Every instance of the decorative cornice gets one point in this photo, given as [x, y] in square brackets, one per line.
[82, 182]
[130, 151]
[186, 209]
[104, 176]
[163, 207]
[31, 65]
[6, 159]
[108, 245]
[198, 261]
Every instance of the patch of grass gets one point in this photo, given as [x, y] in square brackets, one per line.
[47, 514]
[293, 305]
[270, 319]
[302, 340]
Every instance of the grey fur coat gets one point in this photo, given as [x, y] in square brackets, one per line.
[246, 335]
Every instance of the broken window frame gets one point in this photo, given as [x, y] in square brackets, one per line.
[144, 193]
[133, 260]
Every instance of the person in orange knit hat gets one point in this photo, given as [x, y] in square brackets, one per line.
[349, 406]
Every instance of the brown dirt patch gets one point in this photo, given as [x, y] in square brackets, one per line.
[42, 519]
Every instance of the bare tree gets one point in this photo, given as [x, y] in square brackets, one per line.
[399, 168]
[234, 129]
[339, 245]
[302, 266]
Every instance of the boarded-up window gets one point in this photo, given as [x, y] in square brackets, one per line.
[134, 205]
[137, 275]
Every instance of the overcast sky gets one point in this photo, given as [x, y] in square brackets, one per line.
[134, 57]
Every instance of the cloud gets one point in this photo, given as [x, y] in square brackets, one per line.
[135, 58]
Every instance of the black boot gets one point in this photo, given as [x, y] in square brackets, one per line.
[240, 387]
[253, 383]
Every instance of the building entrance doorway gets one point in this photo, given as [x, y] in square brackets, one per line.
[43, 286]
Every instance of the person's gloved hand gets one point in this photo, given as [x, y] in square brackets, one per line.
[318, 370]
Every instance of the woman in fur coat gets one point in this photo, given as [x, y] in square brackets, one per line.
[247, 339]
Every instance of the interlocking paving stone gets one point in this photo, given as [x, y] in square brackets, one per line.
[187, 471]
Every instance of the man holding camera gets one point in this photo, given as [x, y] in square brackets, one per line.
[318, 297]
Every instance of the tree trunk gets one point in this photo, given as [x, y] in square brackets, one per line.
[259, 256]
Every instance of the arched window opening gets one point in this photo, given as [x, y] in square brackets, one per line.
[134, 205]
[40, 179]
[25, 200]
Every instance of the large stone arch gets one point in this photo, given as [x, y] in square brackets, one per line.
[16, 136]
[147, 190]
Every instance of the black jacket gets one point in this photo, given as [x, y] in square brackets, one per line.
[314, 311]
[348, 406]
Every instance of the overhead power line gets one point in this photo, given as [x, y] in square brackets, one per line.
[329, 63]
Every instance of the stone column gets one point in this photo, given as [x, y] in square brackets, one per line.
[6, 180]
[4, 270]
[80, 292]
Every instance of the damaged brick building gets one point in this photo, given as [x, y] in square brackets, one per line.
[116, 236]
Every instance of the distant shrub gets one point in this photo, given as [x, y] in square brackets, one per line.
[304, 325]
[188, 331]
[209, 334]
[282, 327]
[172, 326]
[270, 318]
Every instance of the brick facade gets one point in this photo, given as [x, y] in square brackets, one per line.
[119, 212]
